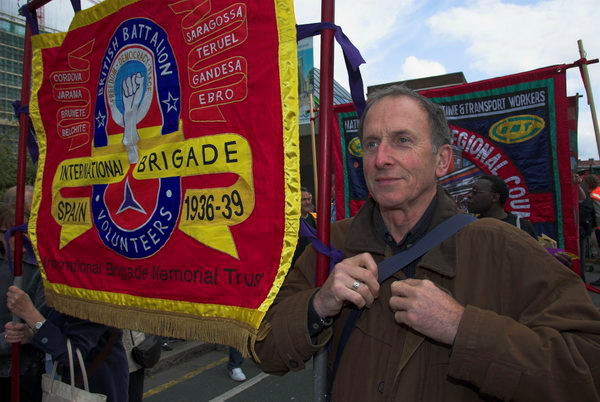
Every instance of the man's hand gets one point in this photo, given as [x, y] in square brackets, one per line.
[338, 289]
[19, 303]
[17, 332]
[426, 308]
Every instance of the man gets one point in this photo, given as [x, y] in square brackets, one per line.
[306, 215]
[10, 196]
[307, 207]
[487, 314]
[487, 198]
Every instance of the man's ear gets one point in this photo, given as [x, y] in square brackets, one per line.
[444, 157]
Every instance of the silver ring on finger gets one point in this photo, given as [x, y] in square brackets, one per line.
[356, 285]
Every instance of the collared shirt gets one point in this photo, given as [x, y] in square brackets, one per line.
[414, 235]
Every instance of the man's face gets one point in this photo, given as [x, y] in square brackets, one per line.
[481, 198]
[306, 202]
[399, 164]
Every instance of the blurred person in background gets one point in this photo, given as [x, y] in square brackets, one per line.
[32, 365]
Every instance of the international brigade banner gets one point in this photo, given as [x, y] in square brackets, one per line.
[516, 127]
[167, 196]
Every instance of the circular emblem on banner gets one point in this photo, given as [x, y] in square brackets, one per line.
[132, 66]
[515, 129]
[147, 235]
[355, 147]
[138, 82]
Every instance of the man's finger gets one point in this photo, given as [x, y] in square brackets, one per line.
[404, 288]
[364, 260]
[412, 281]
[366, 278]
[398, 303]
[360, 298]
[364, 291]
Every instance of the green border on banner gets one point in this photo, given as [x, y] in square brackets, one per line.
[544, 83]
[341, 117]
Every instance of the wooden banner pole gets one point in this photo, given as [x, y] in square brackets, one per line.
[588, 89]
[313, 142]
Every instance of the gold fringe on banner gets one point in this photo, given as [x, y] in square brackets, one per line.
[171, 324]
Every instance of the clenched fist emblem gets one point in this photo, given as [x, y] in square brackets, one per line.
[132, 98]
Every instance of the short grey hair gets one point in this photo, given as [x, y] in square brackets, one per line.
[440, 133]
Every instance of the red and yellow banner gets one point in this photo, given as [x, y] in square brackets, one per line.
[167, 188]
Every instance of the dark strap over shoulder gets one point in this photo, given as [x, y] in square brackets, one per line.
[433, 238]
[390, 266]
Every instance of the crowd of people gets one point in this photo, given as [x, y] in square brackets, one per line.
[485, 313]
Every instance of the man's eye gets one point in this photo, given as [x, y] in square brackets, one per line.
[402, 140]
[370, 145]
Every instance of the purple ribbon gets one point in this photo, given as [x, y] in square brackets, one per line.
[334, 254]
[28, 256]
[31, 18]
[352, 57]
[76, 5]
[32, 145]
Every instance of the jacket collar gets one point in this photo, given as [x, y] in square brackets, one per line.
[362, 236]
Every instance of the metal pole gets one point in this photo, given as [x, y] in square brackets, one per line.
[35, 4]
[588, 90]
[20, 202]
[314, 146]
[323, 204]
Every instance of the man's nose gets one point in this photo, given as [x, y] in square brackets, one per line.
[382, 156]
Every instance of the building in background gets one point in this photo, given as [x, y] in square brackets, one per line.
[12, 32]
[590, 166]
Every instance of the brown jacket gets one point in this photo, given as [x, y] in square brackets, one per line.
[529, 331]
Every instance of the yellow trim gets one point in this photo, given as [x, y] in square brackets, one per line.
[46, 41]
[37, 74]
[97, 12]
[217, 323]
[245, 315]
[227, 331]
[288, 82]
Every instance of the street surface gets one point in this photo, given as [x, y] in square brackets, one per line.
[205, 378]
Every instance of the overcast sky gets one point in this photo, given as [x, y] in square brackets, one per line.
[403, 39]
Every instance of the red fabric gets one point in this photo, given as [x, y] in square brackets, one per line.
[253, 112]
